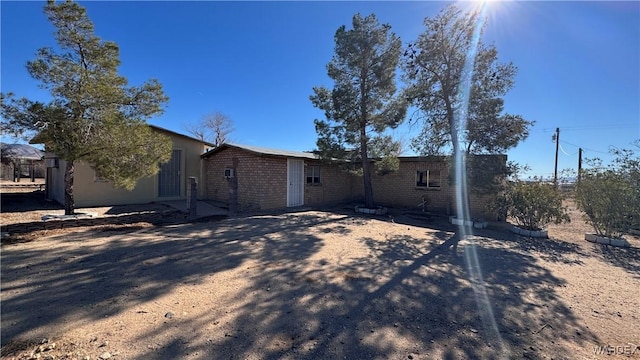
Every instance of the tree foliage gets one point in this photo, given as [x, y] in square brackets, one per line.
[214, 128]
[610, 196]
[385, 151]
[434, 67]
[362, 101]
[94, 115]
[487, 174]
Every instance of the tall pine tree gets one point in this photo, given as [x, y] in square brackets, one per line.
[93, 116]
[362, 103]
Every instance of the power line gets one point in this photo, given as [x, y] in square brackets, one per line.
[594, 127]
[564, 152]
[584, 148]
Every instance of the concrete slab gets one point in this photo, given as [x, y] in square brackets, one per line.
[204, 209]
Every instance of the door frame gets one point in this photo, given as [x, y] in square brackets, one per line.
[180, 175]
[291, 178]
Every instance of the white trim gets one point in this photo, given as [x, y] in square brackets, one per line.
[295, 167]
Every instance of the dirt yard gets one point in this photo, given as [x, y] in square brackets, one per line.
[319, 284]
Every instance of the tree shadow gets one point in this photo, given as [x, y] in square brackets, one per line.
[410, 297]
[152, 213]
[26, 201]
[549, 249]
[24, 231]
[625, 258]
[43, 284]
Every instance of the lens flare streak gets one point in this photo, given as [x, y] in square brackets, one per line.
[491, 331]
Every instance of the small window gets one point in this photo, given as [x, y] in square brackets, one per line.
[421, 179]
[313, 174]
[428, 178]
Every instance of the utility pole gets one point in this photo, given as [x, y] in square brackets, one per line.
[555, 172]
[579, 163]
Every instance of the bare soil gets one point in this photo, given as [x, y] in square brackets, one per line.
[318, 284]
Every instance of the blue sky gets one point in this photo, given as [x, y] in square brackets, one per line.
[256, 62]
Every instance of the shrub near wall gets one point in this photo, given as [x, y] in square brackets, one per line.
[533, 205]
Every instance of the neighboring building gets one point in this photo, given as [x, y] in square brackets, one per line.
[169, 184]
[250, 178]
[20, 161]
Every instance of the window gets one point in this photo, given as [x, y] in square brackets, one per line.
[428, 178]
[313, 174]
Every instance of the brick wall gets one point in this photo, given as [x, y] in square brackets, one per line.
[335, 186]
[217, 185]
[272, 184]
[262, 184]
[399, 188]
[261, 181]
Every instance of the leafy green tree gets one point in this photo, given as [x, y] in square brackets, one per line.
[434, 69]
[362, 101]
[94, 116]
[609, 196]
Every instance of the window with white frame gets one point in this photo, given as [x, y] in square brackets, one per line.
[429, 179]
[313, 174]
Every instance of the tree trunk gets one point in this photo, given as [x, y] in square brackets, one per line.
[366, 168]
[460, 178]
[366, 171]
[69, 204]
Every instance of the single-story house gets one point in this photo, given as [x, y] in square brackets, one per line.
[250, 178]
[169, 184]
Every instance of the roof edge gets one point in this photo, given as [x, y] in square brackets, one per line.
[180, 134]
[263, 152]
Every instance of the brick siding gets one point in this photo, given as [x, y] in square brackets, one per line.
[335, 186]
[262, 184]
[399, 189]
[248, 174]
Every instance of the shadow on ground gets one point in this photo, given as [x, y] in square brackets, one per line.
[625, 258]
[119, 215]
[26, 201]
[410, 297]
[408, 301]
[42, 286]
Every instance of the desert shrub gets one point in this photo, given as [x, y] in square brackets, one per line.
[610, 196]
[532, 204]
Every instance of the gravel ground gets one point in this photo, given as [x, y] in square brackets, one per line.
[319, 284]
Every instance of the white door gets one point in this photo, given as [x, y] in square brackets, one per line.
[295, 182]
